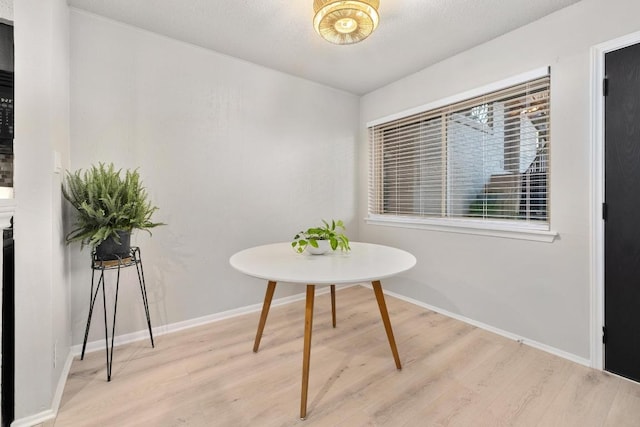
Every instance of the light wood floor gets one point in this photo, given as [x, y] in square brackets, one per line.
[453, 374]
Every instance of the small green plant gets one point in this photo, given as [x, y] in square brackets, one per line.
[106, 203]
[327, 231]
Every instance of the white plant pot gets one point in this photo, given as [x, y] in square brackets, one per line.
[323, 248]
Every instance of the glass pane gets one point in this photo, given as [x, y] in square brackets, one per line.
[482, 158]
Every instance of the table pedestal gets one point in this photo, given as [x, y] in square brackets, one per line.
[308, 327]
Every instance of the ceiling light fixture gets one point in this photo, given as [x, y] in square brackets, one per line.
[345, 21]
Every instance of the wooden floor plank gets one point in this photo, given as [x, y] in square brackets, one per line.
[585, 399]
[453, 374]
[625, 410]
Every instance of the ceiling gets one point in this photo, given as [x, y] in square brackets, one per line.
[412, 35]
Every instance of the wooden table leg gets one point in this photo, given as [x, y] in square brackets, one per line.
[271, 287]
[333, 305]
[377, 289]
[308, 326]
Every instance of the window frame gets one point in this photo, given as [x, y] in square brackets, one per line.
[527, 230]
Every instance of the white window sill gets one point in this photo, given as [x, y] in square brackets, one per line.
[525, 231]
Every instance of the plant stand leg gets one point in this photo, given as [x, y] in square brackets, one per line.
[377, 289]
[271, 287]
[92, 301]
[113, 326]
[137, 259]
[106, 333]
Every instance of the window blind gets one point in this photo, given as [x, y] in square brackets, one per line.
[485, 158]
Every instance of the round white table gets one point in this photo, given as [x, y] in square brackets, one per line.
[365, 262]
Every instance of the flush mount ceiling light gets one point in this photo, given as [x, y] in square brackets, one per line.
[345, 21]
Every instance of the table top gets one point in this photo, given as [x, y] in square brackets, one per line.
[365, 262]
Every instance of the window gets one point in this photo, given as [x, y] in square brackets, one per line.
[482, 160]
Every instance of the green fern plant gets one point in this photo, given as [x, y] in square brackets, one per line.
[106, 203]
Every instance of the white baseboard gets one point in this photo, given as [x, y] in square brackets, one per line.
[191, 323]
[98, 345]
[535, 344]
[49, 414]
[34, 420]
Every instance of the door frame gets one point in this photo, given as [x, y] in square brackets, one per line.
[598, 53]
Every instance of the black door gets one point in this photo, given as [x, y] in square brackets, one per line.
[622, 225]
[8, 328]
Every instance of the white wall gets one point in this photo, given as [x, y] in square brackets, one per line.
[6, 10]
[42, 126]
[539, 291]
[234, 154]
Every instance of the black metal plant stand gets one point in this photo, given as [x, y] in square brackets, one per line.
[134, 258]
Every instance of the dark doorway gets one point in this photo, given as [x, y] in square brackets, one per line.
[622, 212]
[7, 356]
[8, 327]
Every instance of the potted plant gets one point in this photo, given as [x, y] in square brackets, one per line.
[108, 207]
[318, 240]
